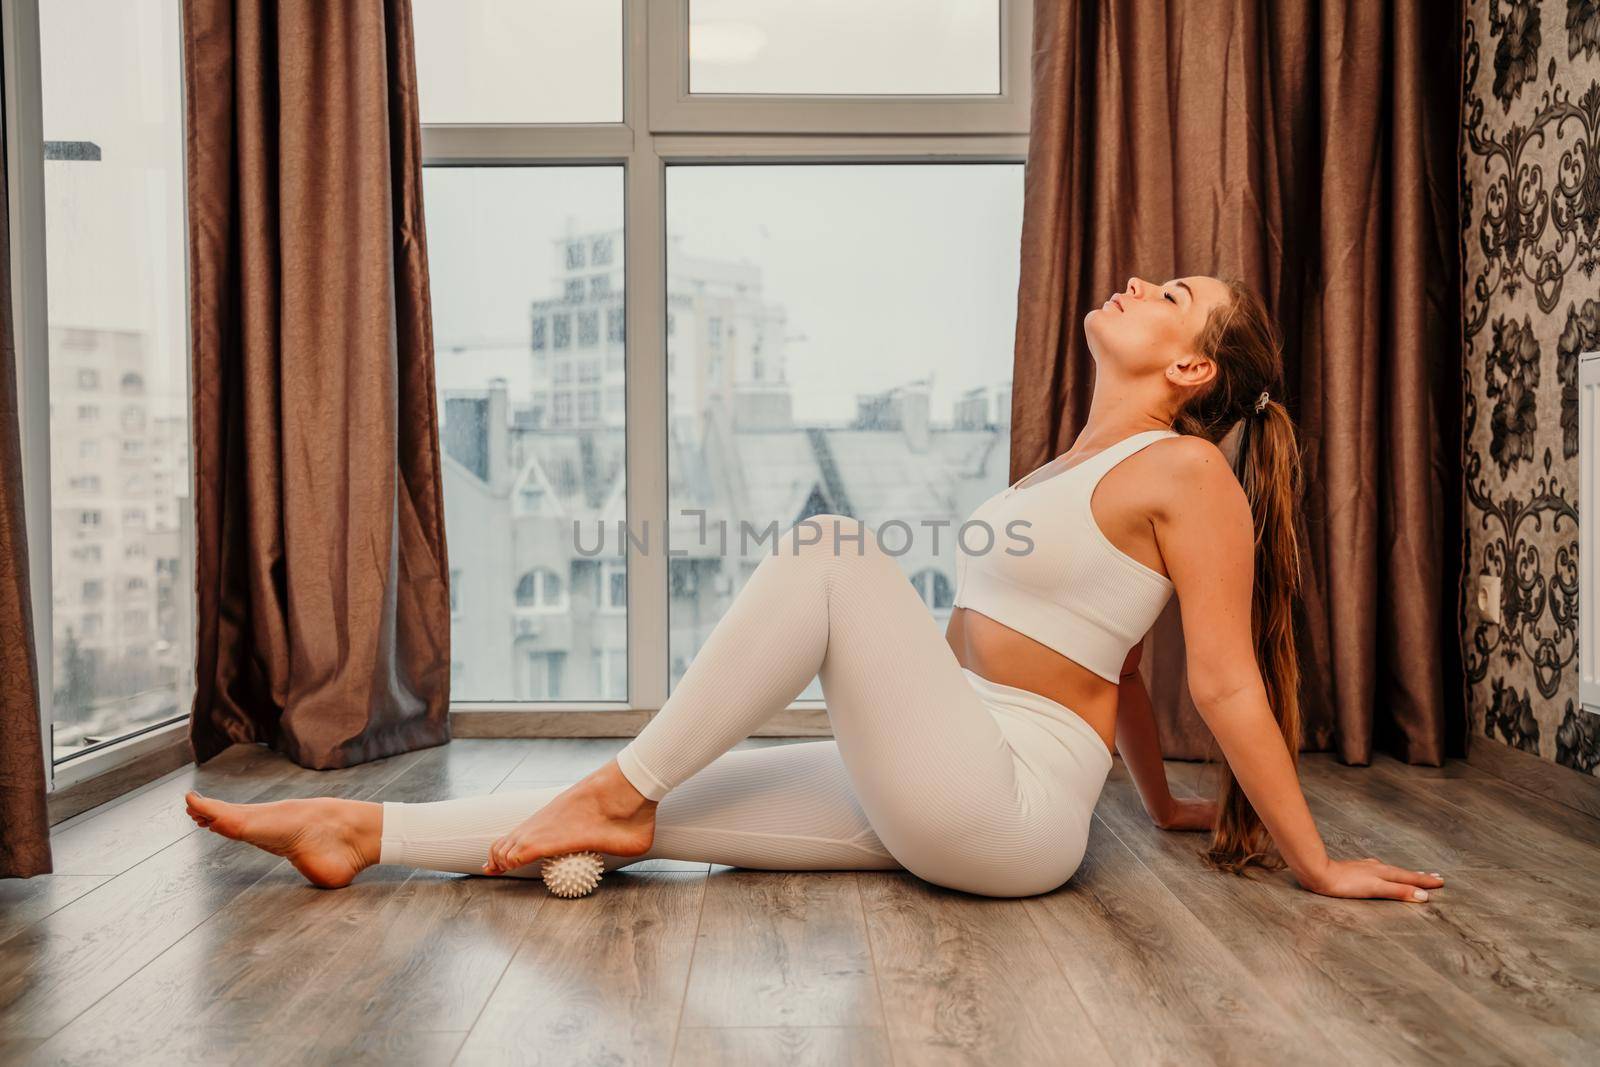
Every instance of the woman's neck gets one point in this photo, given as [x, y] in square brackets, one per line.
[1117, 411]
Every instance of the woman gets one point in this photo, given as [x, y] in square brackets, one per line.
[974, 761]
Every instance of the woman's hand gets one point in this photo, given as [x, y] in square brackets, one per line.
[1189, 813]
[1370, 878]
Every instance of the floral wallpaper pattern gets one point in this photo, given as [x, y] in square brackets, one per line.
[1530, 232]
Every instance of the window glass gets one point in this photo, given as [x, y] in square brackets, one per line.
[870, 46]
[122, 576]
[842, 343]
[534, 478]
[519, 61]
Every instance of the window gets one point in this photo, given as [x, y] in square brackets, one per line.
[515, 61]
[612, 586]
[541, 588]
[771, 46]
[503, 243]
[902, 317]
[812, 282]
[102, 320]
[934, 588]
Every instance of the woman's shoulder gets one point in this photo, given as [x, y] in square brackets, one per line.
[1188, 448]
[1187, 470]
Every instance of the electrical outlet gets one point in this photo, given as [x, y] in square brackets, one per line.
[1489, 597]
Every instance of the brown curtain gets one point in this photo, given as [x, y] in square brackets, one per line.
[24, 822]
[1309, 148]
[323, 614]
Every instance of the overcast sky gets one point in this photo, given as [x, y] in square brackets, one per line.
[887, 273]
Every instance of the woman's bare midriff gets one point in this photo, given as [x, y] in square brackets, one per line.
[1121, 505]
[995, 651]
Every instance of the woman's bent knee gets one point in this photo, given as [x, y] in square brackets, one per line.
[841, 541]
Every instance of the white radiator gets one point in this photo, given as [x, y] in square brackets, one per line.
[1588, 531]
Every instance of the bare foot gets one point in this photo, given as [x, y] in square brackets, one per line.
[602, 813]
[330, 841]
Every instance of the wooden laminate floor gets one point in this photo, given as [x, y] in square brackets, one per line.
[158, 943]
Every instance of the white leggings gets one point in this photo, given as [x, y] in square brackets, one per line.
[964, 782]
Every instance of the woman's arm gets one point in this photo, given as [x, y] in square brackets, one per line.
[1207, 539]
[1139, 745]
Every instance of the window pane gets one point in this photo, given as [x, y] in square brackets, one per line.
[841, 342]
[487, 61]
[529, 449]
[118, 354]
[870, 46]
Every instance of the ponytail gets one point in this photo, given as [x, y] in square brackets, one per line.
[1242, 341]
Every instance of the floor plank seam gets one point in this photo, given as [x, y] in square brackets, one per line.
[688, 972]
[877, 975]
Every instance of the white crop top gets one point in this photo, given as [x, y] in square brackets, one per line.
[1072, 590]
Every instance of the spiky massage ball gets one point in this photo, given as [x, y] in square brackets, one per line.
[573, 875]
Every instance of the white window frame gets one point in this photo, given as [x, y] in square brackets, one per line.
[662, 124]
[24, 134]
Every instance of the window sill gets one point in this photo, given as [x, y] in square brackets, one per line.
[110, 772]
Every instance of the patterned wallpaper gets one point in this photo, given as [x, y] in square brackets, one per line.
[1530, 217]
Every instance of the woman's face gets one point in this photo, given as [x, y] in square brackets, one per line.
[1147, 327]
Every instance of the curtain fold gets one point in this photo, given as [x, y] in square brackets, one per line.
[24, 820]
[323, 613]
[1309, 148]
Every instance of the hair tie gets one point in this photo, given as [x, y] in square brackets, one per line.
[1261, 402]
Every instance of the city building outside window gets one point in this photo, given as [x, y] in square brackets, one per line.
[808, 288]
